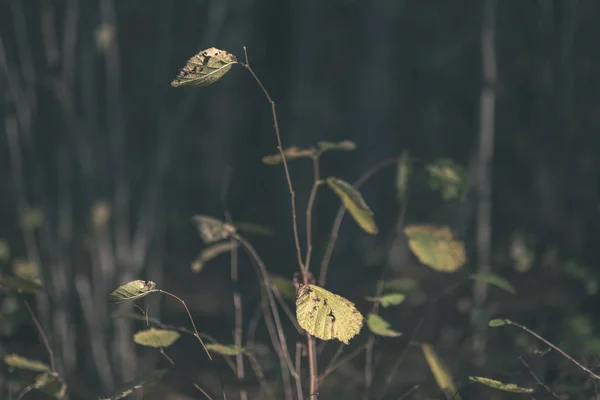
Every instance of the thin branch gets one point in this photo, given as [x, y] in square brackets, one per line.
[298, 365]
[42, 335]
[333, 366]
[309, 209]
[203, 392]
[568, 357]
[537, 379]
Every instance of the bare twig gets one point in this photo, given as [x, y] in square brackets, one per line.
[42, 335]
[203, 392]
[299, 392]
[537, 379]
[562, 352]
[334, 366]
[309, 209]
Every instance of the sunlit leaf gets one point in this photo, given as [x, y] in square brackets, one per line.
[345, 145]
[355, 204]
[212, 251]
[494, 280]
[17, 361]
[137, 383]
[4, 250]
[252, 228]
[496, 323]
[205, 68]
[506, 387]
[291, 153]
[402, 175]
[449, 177]
[440, 372]
[436, 247]
[326, 315]
[380, 326]
[131, 291]
[388, 300]
[284, 286]
[158, 338]
[224, 350]
[212, 229]
[21, 285]
[49, 383]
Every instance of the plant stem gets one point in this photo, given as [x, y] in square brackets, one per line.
[42, 334]
[298, 369]
[562, 352]
[309, 208]
[191, 319]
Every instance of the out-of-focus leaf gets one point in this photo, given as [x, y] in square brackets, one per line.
[20, 362]
[354, 202]
[157, 338]
[345, 145]
[327, 315]
[32, 218]
[496, 323]
[21, 285]
[521, 252]
[137, 383]
[291, 153]
[4, 250]
[388, 300]
[101, 211]
[284, 286]
[506, 387]
[403, 175]
[131, 291]
[25, 268]
[205, 68]
[212, 251]
[225, 350]
[440, 372]
[254, 228]
[212, 230]
[403, 285]
[449, 177]
[436, 247]
[380, 326]
[494, 280]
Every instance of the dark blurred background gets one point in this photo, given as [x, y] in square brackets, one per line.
[103, 165]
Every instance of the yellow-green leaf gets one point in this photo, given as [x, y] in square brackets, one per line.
[380, 326]
[21, 285]
[284, 286]
[326, 315]
[20, 362]
[388, 300]
[224, 350]
[212, 251]
[355, 204]
[440, 372]
[291, 153]
[496, 323]
[448, 177]
[212, 229]
[137, 383]
[4, 250]
[345, 145]
[158, 338]
[51, 384]
[436, 247]
[32, 218]
[131, 291]
[494, 280]
[402, 175]
[205, 68]
[507, 387]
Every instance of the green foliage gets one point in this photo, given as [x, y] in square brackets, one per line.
[20, 362]
[130, 291]
[506, 387]
[157, 338]
[449, 178]
[205, 68]
[21, 284]
[355, 204]
[380, 326]
[388, 300]
[326, 315]
[4, 250]
[496, 323]
[494, 280]
[284, 286]
[436, 247]
[225, 350]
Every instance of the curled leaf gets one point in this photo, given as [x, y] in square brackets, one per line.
[131, 291]
[506, 387]
[355, 204]
[291, 153]
[20, 362]
[380, 326]
[157, 338]
[326, 315]
[137, 383]
[212, 229]
[436, 247]
[205, 68]
[440, 372]
[494, 280]
[449, 177]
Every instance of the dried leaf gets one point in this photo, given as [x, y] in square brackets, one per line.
[291, 153]
[205, 68]
[131, 291]
[212, 229]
